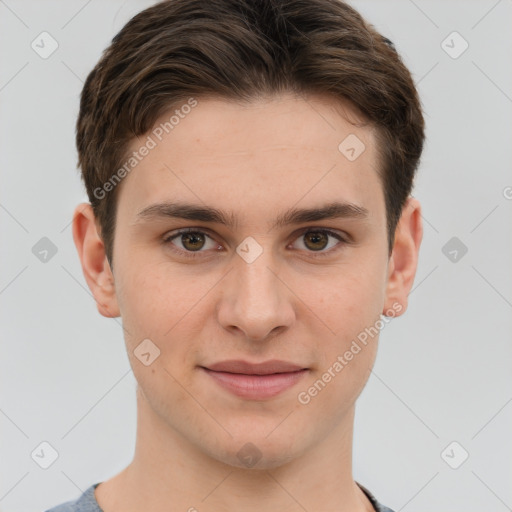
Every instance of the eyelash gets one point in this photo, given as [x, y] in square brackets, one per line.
[194, 254]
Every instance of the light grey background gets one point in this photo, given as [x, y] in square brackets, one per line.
[443, 371]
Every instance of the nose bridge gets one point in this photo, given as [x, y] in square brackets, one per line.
[258, 301]
[257, 280]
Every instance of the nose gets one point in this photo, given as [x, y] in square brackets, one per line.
[255, 300]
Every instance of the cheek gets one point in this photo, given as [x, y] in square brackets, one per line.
[163, 306]
[337, 390]
[348, 308]
[150, 296]
[347, 301]
[157, 308]
[345, 357]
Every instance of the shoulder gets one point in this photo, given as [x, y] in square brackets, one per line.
[85, 503]
[379, 507]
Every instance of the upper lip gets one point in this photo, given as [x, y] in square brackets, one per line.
[264, 368]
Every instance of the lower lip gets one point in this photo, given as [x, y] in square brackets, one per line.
[256, 387]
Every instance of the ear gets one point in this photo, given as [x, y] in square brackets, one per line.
[403, 261]
[95, 266]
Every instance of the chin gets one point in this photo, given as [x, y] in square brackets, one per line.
[251, 458]
[248, 450]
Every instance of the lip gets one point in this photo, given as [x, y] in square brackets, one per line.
[264, 368]
[256, 381]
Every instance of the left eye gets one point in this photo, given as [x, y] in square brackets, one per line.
[317, 240]
[192, 241]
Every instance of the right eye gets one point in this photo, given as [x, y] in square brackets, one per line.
[192, 241]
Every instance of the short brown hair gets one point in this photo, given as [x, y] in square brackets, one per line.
[242, 50]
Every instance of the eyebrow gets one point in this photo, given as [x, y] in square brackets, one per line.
[188, 211]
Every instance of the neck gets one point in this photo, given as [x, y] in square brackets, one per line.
[169, 474]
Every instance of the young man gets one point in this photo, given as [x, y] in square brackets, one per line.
[249, 166]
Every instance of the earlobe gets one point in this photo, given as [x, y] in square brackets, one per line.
[95, 266]
[404, 258]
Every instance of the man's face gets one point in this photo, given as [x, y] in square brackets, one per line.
[253, 291]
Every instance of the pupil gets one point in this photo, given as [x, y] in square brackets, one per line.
[193, 238]
[315, 238]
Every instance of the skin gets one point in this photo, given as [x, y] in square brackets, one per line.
[255, 160]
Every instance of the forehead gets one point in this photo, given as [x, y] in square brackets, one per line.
[261, 154]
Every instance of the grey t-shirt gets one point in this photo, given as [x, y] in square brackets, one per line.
[87, 502]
